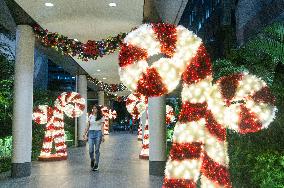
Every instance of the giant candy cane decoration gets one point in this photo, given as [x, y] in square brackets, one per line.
[240, 102]
[72, 104]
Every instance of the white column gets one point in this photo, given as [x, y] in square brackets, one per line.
[157, 130]
[82, 120]
[23, 101]
[101, 96]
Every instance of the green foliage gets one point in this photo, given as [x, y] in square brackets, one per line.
[223, 67]
[270, 41]
[268, 170]
[6, 95]
[7, 67]
[170, 132]
[6, 147]
[5, 153]
[5, 164]
[6, 107]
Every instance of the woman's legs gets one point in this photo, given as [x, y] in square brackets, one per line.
[91, 140]
[97, 140]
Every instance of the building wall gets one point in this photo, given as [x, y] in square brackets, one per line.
[214, 22]
[170, 11]
[253, 15]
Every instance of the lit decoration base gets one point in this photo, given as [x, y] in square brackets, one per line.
[52, 157]
[240, 102]
[72, 104]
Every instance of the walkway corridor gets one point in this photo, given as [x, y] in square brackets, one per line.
[120, 167]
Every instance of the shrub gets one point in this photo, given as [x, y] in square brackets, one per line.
[268, 170]
[5, 153]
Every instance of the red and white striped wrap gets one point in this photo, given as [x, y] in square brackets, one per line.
[139, 131]
[73, 105]
[136, 105]
[144, 154]
[240, 102]
[178, 44]
[170, 114]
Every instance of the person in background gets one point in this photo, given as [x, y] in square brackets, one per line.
[131, 125]
[95, 132]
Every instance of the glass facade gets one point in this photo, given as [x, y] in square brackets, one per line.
[59, 79]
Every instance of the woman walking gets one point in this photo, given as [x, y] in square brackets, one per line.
[95, 132]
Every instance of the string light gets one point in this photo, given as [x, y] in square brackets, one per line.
[85, 51]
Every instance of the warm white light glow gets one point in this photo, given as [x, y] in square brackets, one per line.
[49, 4]
[98, 70]
[104, 78]
[76, 40]
[112, 4]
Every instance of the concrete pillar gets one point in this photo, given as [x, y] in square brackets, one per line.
[101, 96]
[82, 120]
[157, 130]
[23, 102]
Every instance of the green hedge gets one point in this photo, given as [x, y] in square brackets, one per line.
[5, 153]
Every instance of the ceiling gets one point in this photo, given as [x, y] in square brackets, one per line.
[89, 20]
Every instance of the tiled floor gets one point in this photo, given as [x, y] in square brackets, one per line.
[120, 167]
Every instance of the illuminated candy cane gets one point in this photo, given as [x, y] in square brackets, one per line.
[107, 114]
[139, 131]
[170, 114]
[136, 105]
[240, 102]
[144, 154]
[72, 104]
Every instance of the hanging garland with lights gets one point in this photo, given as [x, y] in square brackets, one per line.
[70, 103]
[107, 87]
[90, 50]
[240, 102]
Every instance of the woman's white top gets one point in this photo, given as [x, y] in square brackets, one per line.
[95, 125]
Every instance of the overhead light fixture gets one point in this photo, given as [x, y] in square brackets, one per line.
[49, 4]
[98, 70]
[112, 4]
[104, 78]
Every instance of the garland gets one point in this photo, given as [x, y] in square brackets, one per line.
[107, 87]
[85, 51]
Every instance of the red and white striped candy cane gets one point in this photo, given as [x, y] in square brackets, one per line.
[170, 114]
[139, 131]
[73, 105]
[144, 154]
[136, 105]
[107, 114]
[199, 141]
